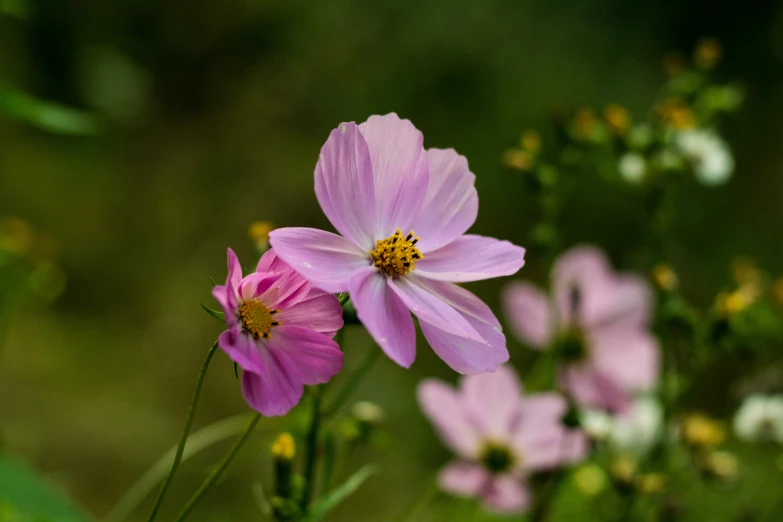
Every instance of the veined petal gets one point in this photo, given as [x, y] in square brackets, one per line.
[384, 315]
[431, 309]
[493, 400]
[463, 479]
[443, 407]
[450, 206]
[528, 312]
[400, 171]
[327, 260]
[286, 290]
[318, 311]
[271, 262]
[276, 388]
[226, 299]
[463, 355]
[242, 348]
[316, 357]
[472, 258]
[344, 185]
[234, 270]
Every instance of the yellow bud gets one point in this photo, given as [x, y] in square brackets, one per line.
[623, 469]
[729, 304]
[723, 465]
[617, 118]
[744, 270]
[284, 447]
[518, 159]
[665, 277]
[531, 141]
[259, 233]
[701, 431]
[673, 64]
[651, 483]
[707, 53]
[16, 235]
[591, 479]
[676, 114]
[777, 290]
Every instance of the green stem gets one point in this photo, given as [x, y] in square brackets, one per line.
[353, 382]
[185, 432]
[218, 470]
[312, 447]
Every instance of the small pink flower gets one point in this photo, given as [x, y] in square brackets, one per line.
[499, 436]
[280, 332]
[375, 182]
[598, 321]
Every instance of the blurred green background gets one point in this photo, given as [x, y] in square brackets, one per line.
[211, 117]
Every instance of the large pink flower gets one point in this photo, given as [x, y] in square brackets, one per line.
[375, 182]
[280, 332]
[598, 321]
[499, 436]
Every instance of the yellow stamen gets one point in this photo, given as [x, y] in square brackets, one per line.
[284, 447]
[397, 254]
[257, 318]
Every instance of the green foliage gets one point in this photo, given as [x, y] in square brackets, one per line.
[328, 502]
[26, 496]
[46, 115]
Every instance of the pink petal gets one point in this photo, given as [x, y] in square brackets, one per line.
[271, 262]
[255, 284]
[527, 309]
[463, 479]
[318, 311]
[287, 290]
[226, 299]
[582, 283]
[242, 348]
[576, 447]
[276, 388]
[506, 494]
[451, 203]
[317, 357]
[384, 315]
[234, 270]
[464, 356]
[344, 185]
[541, 411]
[548, 449]
[590, 388]
[472, 258]
[430, 309]
[327, 260]
[444, 408]
[493, 400]
[400, 171]
[629, 304]
[628, 356]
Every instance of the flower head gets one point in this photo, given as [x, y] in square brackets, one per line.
[280, 332]
[708, 154]
[760, 418]
[402, 212]
[632, 433]
[597, 321]
[499, 436]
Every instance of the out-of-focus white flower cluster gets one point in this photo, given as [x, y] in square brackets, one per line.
[760, 418]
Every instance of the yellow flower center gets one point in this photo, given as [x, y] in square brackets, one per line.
[397, 254]
[257, 318]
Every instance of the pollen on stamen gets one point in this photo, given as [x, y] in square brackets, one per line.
[397, 254]
[257, 319]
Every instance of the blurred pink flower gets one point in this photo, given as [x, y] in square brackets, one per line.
[499, 436]
[598, 321]
[280, 332]
[375, 182]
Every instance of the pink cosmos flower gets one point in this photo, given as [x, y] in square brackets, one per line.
[499, 436]
[598, 321]
[280, 332]
[375, 182]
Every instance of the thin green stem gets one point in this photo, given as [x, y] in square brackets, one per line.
[312, 447]
[185, 432]
[356, 377]
[218, 470]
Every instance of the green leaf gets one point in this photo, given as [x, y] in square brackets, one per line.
[30, 495]
[45, 115]
[331, 500]
[214, 313]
